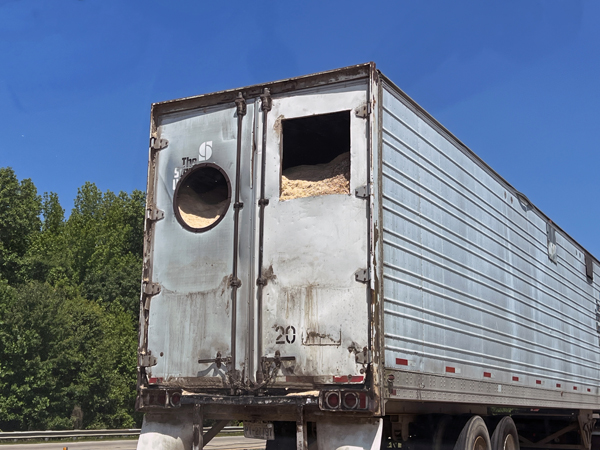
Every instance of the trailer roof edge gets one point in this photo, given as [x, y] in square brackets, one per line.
[340, 75]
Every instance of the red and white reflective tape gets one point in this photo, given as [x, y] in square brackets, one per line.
[346, 379]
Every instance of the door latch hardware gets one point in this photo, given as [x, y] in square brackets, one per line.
[158, 144]
[151, 288]
[278, 359]
[362, 275]
[235, 282]
[218, 360]
[362, 191]
[238, 205]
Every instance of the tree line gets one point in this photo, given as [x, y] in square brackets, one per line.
[69, 305]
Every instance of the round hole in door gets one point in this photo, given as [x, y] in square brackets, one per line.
[202, 197]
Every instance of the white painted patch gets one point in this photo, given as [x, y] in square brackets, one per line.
[205, 151]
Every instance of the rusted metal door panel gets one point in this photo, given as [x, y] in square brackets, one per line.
[190, 319]
[314, 314]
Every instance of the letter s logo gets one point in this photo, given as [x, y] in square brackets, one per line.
[205, 151]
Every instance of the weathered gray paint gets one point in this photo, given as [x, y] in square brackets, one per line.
[314, 246]
[310, 280]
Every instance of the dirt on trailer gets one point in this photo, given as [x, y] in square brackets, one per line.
[319, 179]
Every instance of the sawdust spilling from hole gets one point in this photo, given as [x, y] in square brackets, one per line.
[202, 210]
[319, 179]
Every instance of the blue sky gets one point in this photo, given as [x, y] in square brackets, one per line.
[517, 81]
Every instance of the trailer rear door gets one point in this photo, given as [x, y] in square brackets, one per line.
[313, 314]
[277, 295]
[196, 331]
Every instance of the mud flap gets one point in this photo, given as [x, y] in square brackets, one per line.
[166, 432]
[350, 434]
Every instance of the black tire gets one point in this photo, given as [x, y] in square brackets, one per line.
[505, 436]
[474, 436]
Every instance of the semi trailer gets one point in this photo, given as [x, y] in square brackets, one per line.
[328, 264]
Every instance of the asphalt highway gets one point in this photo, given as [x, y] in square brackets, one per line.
[218, 443]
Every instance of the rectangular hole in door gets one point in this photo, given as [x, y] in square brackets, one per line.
[315, 156]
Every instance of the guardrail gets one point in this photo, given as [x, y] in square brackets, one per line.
[77, 434]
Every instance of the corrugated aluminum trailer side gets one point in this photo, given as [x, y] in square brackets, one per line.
[478, 284]
[486, 302]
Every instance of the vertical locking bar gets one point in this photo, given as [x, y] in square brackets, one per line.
[235, 282]
[266, 105]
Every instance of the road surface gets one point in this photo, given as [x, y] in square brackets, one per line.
[218, 443]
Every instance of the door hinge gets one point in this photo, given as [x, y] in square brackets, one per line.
[266, 100]
[362, 191]
[153, 213]
[240, 104]
[151, 288]
[147, 360]
[363, 111]
[362, 275]
[158, 144]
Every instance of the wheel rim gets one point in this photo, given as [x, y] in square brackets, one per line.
[479, 444]
[509, 443]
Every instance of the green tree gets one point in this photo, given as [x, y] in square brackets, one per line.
[106, 234]
[27, 334]
[69, 294]
[47, 257]
[58, 352]
[20, 208]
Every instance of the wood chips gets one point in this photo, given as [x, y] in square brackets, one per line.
[202, 210]
[318, 179]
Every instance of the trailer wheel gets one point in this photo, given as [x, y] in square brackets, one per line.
[474, 436]
[505, 436]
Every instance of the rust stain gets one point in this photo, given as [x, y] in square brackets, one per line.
[269, 275]
[316, 338]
